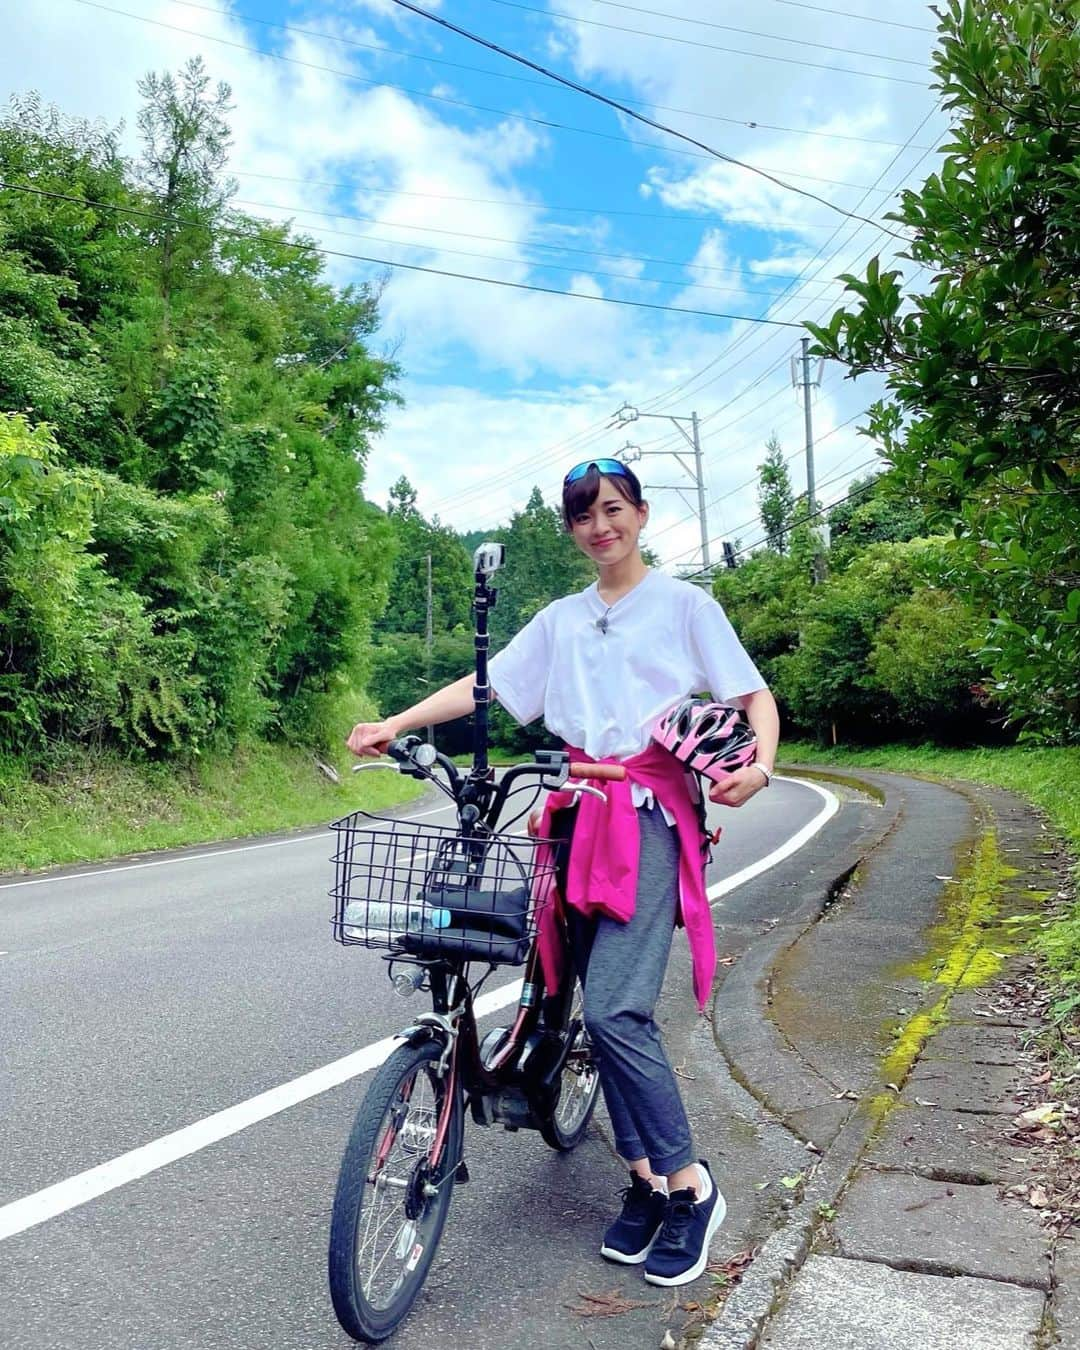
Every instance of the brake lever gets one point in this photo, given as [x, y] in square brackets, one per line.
[578, 789]
[359, 768]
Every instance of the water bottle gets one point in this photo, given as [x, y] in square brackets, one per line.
[379, 919]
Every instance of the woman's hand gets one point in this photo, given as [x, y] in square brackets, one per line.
[370, 739]
[738, 787]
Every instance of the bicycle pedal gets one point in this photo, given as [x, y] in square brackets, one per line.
[461, 1176]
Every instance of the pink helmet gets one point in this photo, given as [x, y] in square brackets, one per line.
[712, 738]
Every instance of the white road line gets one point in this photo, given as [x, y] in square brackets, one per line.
[139, 1162]
[54, 1200]
[320, 833]
[792, 845]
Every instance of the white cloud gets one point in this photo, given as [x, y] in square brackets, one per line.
[564, 364]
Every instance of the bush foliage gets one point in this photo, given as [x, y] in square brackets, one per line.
[187, 405]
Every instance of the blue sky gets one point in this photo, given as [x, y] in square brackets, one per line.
[360, 136]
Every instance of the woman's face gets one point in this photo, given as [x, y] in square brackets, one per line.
[608, 531]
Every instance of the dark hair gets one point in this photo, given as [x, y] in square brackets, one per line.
[578, 496]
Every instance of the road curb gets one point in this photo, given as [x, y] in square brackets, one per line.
[752, 1303]
[742, 1025]
[741, 1020]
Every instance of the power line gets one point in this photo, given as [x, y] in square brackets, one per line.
[517, 79]
[292, 210]
[623, 108]
[712, 46]
[408, 267]
[626, 278]
[548, 124]
[683, 218]
[810, 515]
[795, 4]
[751, 481]
[743, 337]
[753, 32]
[652, 403]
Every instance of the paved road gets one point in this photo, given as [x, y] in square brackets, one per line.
[142, 999]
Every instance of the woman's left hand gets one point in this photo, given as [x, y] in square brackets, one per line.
[738, 787]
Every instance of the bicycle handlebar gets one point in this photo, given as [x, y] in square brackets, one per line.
[608, 773]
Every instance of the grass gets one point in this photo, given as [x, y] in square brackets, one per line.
[1049, 778]
[82, 807]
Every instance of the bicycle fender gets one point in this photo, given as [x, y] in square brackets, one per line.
[420, 1035]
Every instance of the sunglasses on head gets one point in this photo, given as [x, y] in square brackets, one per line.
[607, 467]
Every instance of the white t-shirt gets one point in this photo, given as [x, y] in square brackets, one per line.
[603, 691]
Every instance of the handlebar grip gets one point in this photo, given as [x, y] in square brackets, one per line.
[610, 773]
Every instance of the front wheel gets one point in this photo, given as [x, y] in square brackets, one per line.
[391, 1203]
[579, 1087]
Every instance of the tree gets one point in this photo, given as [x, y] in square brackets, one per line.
[923, 657]
[416, 539]
[876, 512]
[982, 422]
[186, 136]
[188, 557]
[763, 598]
[828, 681]
[542, 564]
[775, 498]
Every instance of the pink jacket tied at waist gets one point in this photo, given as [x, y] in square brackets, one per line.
[603, 868]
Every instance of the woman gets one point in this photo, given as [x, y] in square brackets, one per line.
[600, 667]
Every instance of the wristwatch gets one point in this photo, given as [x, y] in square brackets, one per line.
[767, 772]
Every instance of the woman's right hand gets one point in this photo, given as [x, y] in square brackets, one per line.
[370, 739]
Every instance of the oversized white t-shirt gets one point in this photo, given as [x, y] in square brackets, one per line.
[602, 691]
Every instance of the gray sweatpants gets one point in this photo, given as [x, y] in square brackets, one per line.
[621, 967]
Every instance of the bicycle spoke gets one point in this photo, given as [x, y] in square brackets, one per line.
[389, 1238]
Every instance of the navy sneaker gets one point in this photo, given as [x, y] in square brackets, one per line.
[633, 1233]
[681, 1250]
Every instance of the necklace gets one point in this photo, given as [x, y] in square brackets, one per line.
[603, 623]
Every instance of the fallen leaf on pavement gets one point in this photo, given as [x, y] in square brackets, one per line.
[668, 1343]
[1038, 1198]
[609, 1304]
[922, 1101]
[1046, 1114]
[921, 1204]
[733, 1267]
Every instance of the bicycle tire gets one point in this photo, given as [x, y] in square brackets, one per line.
[390, 1101]
[564, 1127]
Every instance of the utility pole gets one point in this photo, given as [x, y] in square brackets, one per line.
[806, 385]
[630, 452]
[428, 640]
[700, 493]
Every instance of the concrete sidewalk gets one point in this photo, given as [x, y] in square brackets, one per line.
[878, 1035]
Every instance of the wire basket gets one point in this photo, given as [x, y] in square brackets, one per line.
[426, 890]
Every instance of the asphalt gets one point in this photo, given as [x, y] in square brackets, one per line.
[145, 998]
[853, 1085]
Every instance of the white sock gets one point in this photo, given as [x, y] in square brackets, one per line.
[704, 1190]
